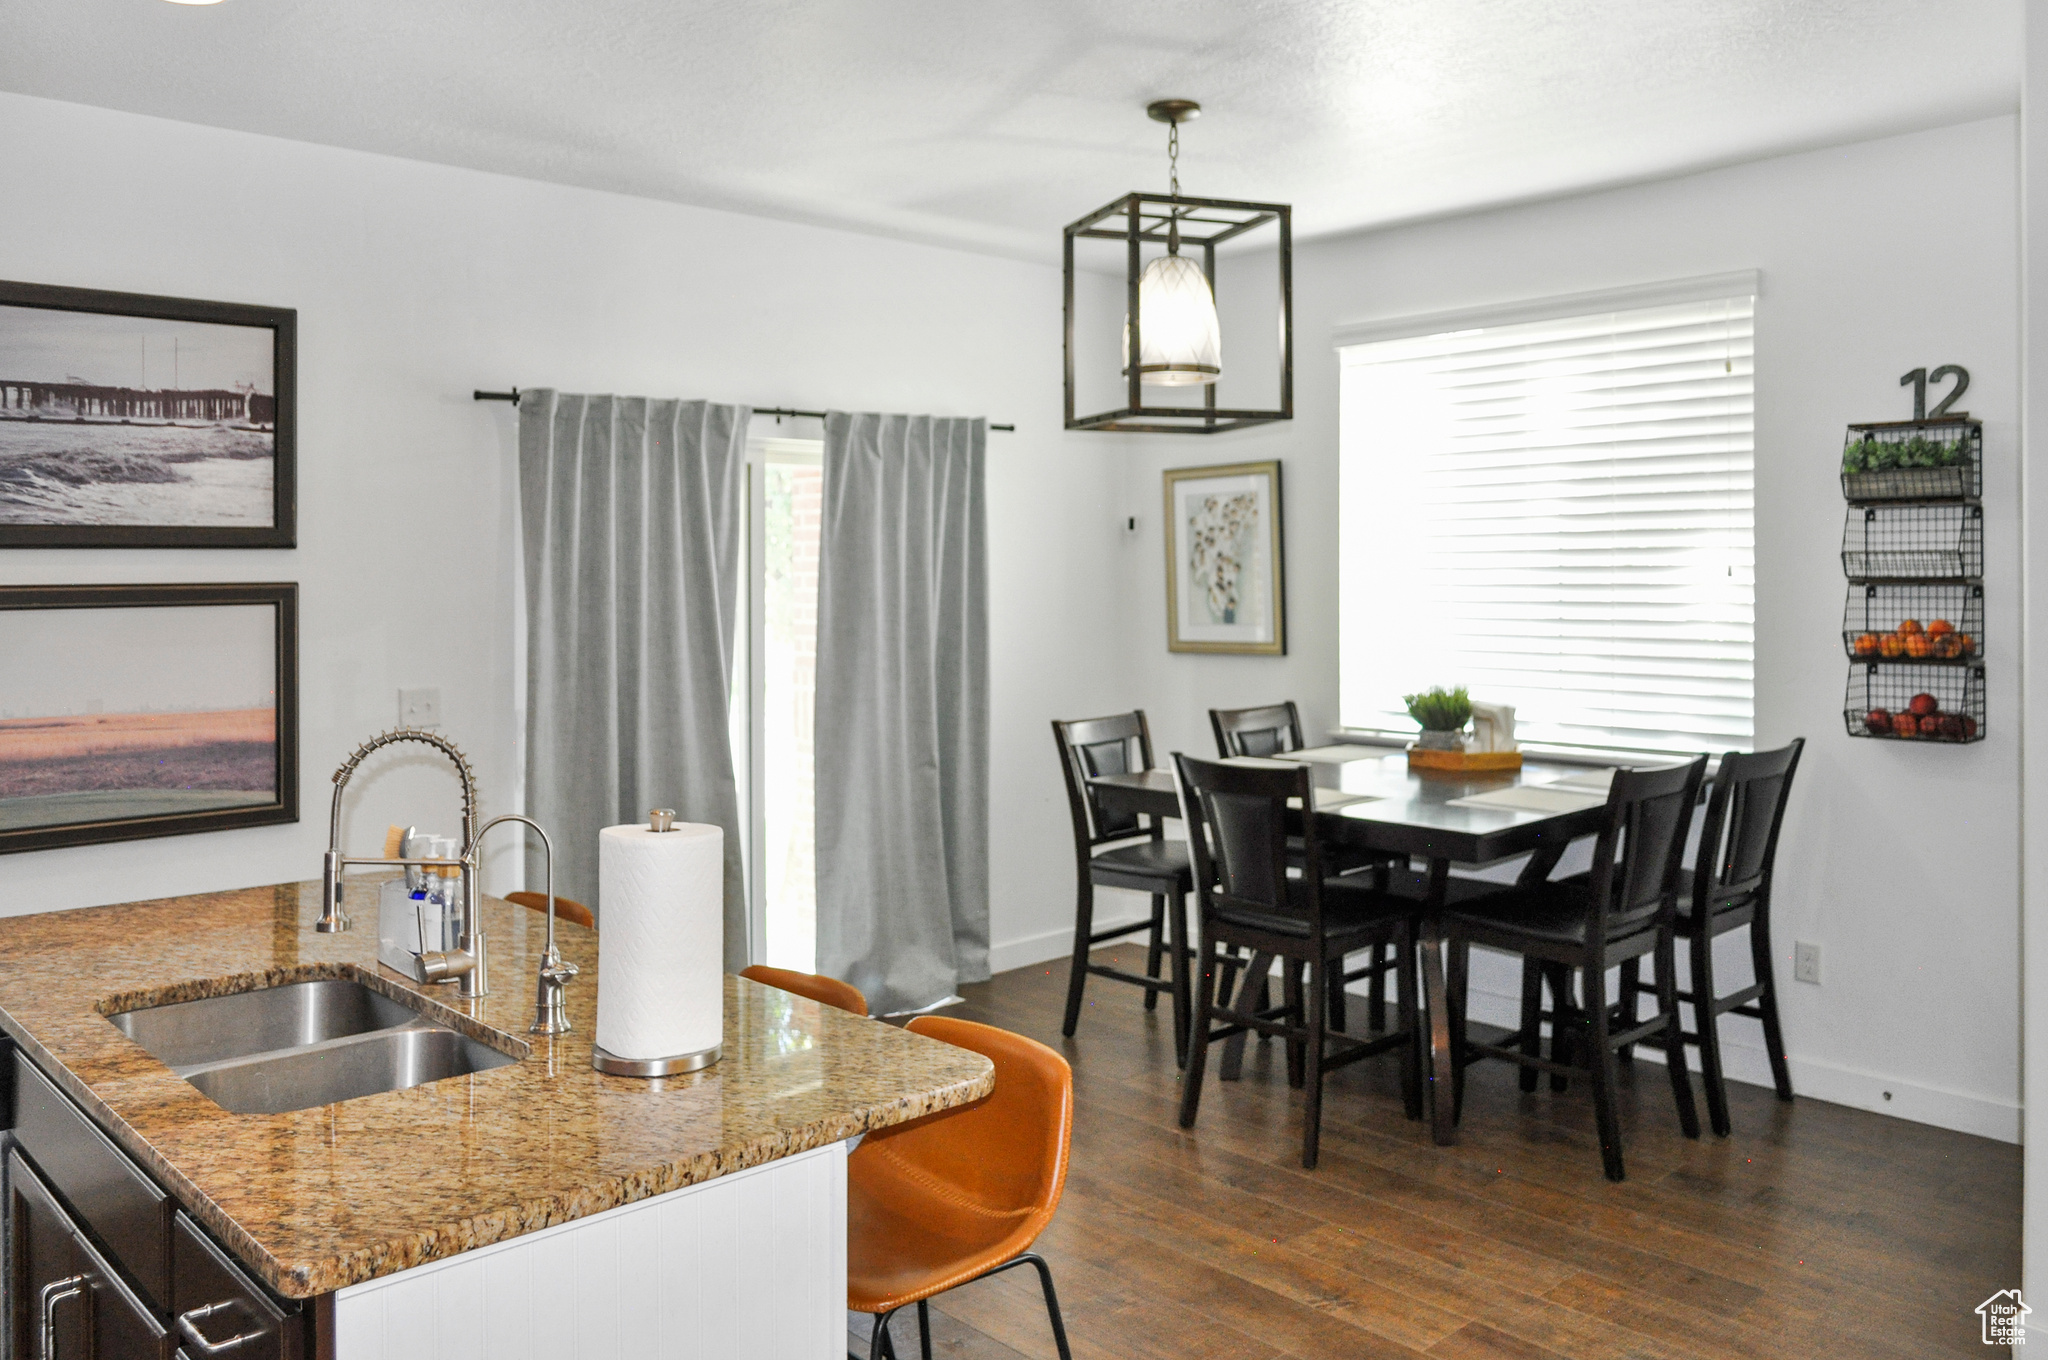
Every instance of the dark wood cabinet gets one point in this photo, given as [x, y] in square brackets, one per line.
[68, 1302]
[101, 1265]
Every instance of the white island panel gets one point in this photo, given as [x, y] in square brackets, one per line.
[751, 1266]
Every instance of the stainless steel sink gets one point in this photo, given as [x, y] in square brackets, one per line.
[343, 1069]
[303, 1044]
[263, 1021]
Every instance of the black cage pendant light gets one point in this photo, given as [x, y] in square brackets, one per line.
[1162, 361]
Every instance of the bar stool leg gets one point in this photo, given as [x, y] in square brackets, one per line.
[1532, 1020]
[1409, 1013]
[1707, 1021]
[1376, 981]
[1767, 1004]
[1084, 926]
[1177, 934]
[924, 1330]
[1312, 1113]
[1297, 1005]
[1674, 1036]
[1601, 1067]
[1210, 978]
[1154, 948]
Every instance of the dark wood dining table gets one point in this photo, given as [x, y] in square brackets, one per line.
[1411, 813]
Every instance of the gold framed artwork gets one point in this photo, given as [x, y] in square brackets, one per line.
[1224, 553]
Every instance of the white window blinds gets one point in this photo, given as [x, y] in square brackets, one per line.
[1559, 515]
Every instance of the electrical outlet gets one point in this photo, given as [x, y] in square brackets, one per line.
[1806, 962]
[419, 707]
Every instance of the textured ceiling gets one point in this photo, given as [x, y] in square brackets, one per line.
[990, 125]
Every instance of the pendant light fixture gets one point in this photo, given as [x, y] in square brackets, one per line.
[1170, 320]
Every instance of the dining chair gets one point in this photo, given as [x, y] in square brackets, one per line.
[1731, 888]
[1120, 850]
[566, 908]
[1624, 908]
[1237, 818]
[1274, 729]
[826, 991]
[961, 1195]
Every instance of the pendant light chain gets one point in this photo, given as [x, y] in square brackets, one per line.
[1173, 186]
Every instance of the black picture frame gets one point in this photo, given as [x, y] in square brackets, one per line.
[284, 597]
[282, 323]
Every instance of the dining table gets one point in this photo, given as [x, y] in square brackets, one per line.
[1369, 798]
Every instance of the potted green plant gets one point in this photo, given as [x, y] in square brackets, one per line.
[1442, 714]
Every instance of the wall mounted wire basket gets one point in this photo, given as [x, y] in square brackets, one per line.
[1912, 702]
[1914, 460]
[1914, 543]
[1934, 623]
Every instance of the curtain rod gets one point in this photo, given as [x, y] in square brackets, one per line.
[513, 397]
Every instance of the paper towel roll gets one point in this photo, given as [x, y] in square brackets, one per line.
[661, 948]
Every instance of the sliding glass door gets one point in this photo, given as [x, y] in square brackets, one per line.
[785, 486]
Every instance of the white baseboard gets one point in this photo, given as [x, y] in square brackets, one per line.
[1743, 1059]
[1053, 944]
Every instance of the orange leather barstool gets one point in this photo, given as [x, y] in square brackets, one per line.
[826, 991]
[566, 908]
[960, 1195]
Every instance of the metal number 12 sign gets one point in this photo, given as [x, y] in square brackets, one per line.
[1920, 377]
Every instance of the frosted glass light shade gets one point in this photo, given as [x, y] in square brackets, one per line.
[1182, 346]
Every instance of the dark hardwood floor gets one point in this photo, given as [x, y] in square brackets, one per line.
[1815, 1230]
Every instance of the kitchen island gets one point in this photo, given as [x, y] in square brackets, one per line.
[538, 1207]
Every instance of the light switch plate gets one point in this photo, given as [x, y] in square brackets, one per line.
[1806, 962]
[419, 707]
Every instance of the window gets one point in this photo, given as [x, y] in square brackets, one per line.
[1557, 512]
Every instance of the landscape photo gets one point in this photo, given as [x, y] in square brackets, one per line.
[112, 714]
[126, 420]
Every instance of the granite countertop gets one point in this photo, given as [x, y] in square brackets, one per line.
[318, 1199]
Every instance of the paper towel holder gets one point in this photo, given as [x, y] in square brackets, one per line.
[658, 819]
[653, 1067]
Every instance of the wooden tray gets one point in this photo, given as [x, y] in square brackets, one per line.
[1464, 762]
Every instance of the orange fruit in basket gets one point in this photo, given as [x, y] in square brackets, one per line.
[1947, 646]
[1969, 644]
[1919, 645]
[1891, 644]
[1940, 626]
[1910, 627]
[1865, 644]
[1905, 724]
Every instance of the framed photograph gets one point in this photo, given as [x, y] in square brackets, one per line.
[136, 711]
[1223, 560]
[129, 421]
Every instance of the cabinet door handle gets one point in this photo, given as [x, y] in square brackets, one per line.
[188, 1328]
[53, 1294]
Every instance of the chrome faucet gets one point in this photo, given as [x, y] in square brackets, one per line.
[469, 961]
[550, 1015]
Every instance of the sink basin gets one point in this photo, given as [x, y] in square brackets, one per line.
[343, 1069]
[302, 1045]
[217, 1027]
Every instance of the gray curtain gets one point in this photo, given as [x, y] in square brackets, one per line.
[902, 708]
[630, 510]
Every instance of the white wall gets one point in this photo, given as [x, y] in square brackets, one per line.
[415, 283]
[1900, 861]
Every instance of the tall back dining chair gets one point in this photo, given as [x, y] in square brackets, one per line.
[960, 1195]
[1579, 927]
[1264, 731]
[826, 991]
[1237, 818]
[1275, 729]
[1731, 888]
[1122, 850]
